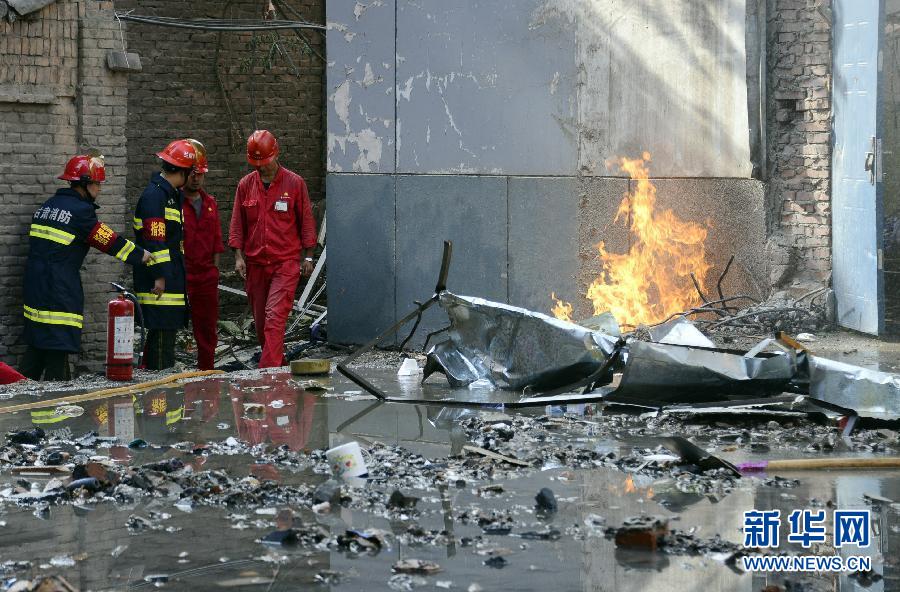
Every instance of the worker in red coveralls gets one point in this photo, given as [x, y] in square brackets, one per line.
[202, 246]
[273, 234]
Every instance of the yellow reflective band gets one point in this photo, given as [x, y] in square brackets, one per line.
[174, 415]
[173, 215]
[46, 417]
[167, 299]
[52, 234]
[125, 251]
[51, 317]
[138, 223]
[160, 257]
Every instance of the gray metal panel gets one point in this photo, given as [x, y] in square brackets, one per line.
[360, 46]
[543, 241]
[657, 75]
[481, 90]
[360, 256]
[470, 211]
[856, 220]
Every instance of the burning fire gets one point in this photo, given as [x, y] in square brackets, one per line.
[653, 279]
[561, 310]
[628, 487]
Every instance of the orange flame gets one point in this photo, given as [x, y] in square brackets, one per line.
[561, 310]
[652, 280]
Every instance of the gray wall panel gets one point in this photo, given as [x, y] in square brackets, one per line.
[481, 91]
[470, 211]
[360, 45]
[734, 209]
[538, 87]
[543, 241]
[735, 212]
[599, 198]
[657, 75]
[360, 256]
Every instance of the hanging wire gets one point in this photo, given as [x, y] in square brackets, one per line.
[253, 80]
[230, 25]
[122, 37]
[285, 8]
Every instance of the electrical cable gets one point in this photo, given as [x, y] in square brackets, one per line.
[230, 25]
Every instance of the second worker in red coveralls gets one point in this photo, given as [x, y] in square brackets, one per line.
[202, 246]
[273, 234]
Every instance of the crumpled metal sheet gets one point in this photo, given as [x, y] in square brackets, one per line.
[514, 347]
[680, 331]
[675, 373]
[868, 392]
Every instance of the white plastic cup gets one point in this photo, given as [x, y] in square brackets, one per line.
[409, 367]
[347, 460]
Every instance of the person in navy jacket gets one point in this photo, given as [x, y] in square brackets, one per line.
[158, 227]
[62, 231]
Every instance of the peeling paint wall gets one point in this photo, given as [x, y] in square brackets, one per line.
[537, 87]
[484, 90]
[361, 59]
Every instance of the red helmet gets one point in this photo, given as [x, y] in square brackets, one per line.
[202, 165]
[85, 168]
[180, 153]
[262, 148]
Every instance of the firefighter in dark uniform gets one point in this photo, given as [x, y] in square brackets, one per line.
[62, 231]
[160, 287]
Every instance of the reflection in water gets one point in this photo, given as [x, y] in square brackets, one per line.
[270, 410]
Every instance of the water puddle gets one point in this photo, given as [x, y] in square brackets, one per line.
[473, 516]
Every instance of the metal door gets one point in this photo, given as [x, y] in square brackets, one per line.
[856, 166]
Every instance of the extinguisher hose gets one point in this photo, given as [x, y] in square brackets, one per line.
[140, 311]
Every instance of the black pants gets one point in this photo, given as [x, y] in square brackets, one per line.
[159, 353]
[52, 364]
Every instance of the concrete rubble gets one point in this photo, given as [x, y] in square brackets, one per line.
[506, 511]
[532, 411]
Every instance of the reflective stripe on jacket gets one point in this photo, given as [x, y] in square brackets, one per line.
[158, 228]
[62, 231]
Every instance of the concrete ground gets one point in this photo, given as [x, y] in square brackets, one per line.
[857, 348]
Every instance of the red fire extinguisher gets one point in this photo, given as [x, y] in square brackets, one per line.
[120, 339]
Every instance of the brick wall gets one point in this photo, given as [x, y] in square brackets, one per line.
[198, 84]
[799, 141]
[57, 99]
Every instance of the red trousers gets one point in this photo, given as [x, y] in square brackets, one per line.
[204, 299]
[271, 290]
